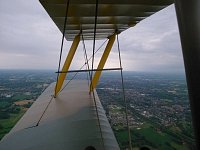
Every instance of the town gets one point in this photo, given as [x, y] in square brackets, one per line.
[159, 114]
[158, 101]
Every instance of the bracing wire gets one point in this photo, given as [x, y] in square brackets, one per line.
[94, 40]
[62, 43]
[124, 97]
[86, 58]
[91, 84]
[83, 66]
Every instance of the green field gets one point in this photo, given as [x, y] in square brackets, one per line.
[150, 137]
[7, 124]
[21, 97]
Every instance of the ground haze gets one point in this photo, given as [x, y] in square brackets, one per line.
[158, 106]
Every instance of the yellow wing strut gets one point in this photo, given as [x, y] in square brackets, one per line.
[102, 62]
[66, 65]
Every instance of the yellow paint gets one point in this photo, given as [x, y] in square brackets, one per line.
[66, 65]
[102, 62]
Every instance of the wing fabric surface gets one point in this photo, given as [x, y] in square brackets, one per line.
[68, 122]
[113, 15]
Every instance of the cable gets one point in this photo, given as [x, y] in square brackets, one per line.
[86, 70]
[94, 40]
[86, 62]
[91, 85]
[124, 98]
[86, 58]
[83, 65]
[44, 111]
[62, 43]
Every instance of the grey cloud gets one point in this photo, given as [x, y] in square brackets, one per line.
[27, 34]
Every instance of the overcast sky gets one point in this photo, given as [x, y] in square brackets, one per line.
[29, 39]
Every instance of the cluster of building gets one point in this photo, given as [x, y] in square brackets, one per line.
[162, 101]
[118, 120]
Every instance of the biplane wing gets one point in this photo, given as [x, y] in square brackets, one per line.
[112, 15]
[67, 122]
[71, 119]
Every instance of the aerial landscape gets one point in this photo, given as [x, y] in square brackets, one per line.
[158, 107]
[151, 100]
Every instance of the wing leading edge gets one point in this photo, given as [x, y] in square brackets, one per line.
[67, 122]
[113, 15]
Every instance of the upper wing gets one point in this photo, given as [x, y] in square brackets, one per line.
[112, 15]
